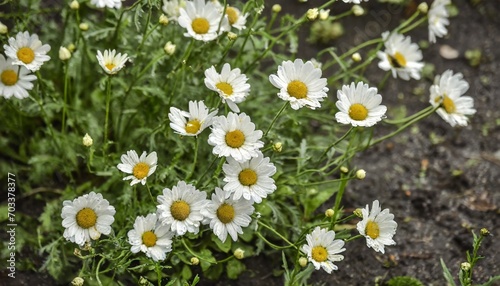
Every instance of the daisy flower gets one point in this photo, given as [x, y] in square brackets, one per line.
[231, 85]
[193, 122]
[27, 50]
[172, 8]
[359, 105]
[377, 226]
[250, 179]
[401, 56]
[86, 218]
[322, 249]
[140, 167]
[107, 3]
[111, 62]
[227, 215]
[235, 136]
[447, 93]
[150, 237]
[179, 208]
[235, 18]
[300, 83]
[14, 80]
[438, 19]
[202, 20]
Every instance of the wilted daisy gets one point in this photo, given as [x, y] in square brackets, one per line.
[438, 19]
[359, 105]
[86, 218]
[235, 136]
[202, 20]
[14, 80]
[227, 215]
[27, 50]
[447, 93]
[231, 85]
[300, 83]
[377, 226]
[401, 56]
[140, 167]
[150, 237]
[179, 208]
[251, 179]
[193, 122]
[111, 62]
[107, 3]
[322, 249]
[235, 18]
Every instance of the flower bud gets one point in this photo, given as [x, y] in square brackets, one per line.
[163, 19]
[485, 232]
[303, 262]
[465, 266]
[87, 140]
[423, 7]
[83, 26]
[195, 261]
[143, 281]
[357, 10]
[344, 169]
[169, 48]
[358, 213]
[74, 5]
[77, 252]
[360, 174]
[239, 253]
[329, 213]
[64, 54]
[324, 14]
[232, 36]
[71, 47]
[276, 8]
[356, 57]
[278, 147]
[312, 14]
[3, 28]
[77, 281]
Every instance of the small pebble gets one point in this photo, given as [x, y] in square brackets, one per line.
[448, 52]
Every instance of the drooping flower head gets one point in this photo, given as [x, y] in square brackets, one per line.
[447, 92]
[150, 237]
[227, 215]
[111, 62]
[378, 227]
[322, 249]
[180, 208]
[140, 167]
[359, 105]
[27, 50]
[300, 83]
[235, 136]
[202, 20]
[14, 80]
[172, 8]
[230, 84]
[438, 19]
[193, 122]
[86, 218]
[401, 56]
[117, 4]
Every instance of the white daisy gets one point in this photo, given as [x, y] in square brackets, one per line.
[193, 122]
[438, 19]
[150, 237]
[111, 62]
[140, 167]
[203, 21]
[179, 208]
[235, 18]
[300, 83]
[377, 226]
[107, 3]
[359, 105]
[86, 218]
[447, 93]
[231, 85]
[14, 80]
[172, 8]
[27, 50]
[322, 249]
[401, 56]
[235, 136]
[251, 179]
[227, 215]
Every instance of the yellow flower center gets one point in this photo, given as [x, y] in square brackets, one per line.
[141, 170]
[297, 89]
[26, 55]
[397, 61]
[110, 66]
[9, 77]
[247, 177]
[193, 126]
[372, 229]
[235, 139]
[225, 87]
[358, 112]
[200, 25]
[448, 104]
[86, 218]
[225, 213]
[149, 238]
[180, 210]
[319, 253]
[232, 15]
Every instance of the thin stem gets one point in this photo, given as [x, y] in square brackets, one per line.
[158, 272]
[411, 117]
[338, 199]
[335, 143]
[414, 25]
[206, 171]
[270, 243]
[65, 98]
[353, 238]
[193, 168]
[277, 233]
[276, 118]
[106, 120]
[150, 194]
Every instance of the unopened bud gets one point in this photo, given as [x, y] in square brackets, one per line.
[276, 8]
[303, 262]
[3, 28]
[71, 47]
[143, 281]
[485, 232]
[195, 261]
[357, 10]
[163, 19]
[83, 26]
[64, 54]
[232, 36]
[356, 57]
[329, 213]
[278, 147]
[465, 266]
[360, 174]
[312, 14]
[74, 5]
[358, 213]
[169, 48]
[239, 253]
[423, 7]
[87, 140]
[344, 169]
[77, 281]
[77, 252]
[324, 14]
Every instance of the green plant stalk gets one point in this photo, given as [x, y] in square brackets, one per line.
[353, 238]
[277, 233]
[150, 194]
[193, 166]
[196, 255]
[338, 199]
[42, 109]
[158, 272]
[407, 22]
[65, 98]
[277, 247]
[276, 118]
[323, 182]
[408, 118]
[414, 25]
[146, 34]
[97, 271]
[206, 171]
[335, 143]
[106, 119]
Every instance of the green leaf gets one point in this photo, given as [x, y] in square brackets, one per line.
[313, 200]
[223, 246]
[446, 273]
[234, 268]
[186, 272]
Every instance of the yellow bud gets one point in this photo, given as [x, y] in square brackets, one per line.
[358, 213]
[84, 26]
[87, 140]
[169, 48]
[329, 213]
[163, 19]
[360, 174]
[357, 10]
[195, 261]
[239, 253]
[74, 5]
[276, 8]
[312, 14]
[303, 262]
[64, 54]
[465, 266]
[344, 169]
[356, 57]
[71, 47]
[3, 28]
[232, 36]
[324, 14]
[423, 7]
[77, 281]
[278, 147]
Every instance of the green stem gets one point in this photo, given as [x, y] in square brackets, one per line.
[158, 272]
[411, 117]
[193, 168]
[323, 182]
[270, 243]
[335, 143]
[338, 199]
[276, 233]
[150, 194]
[106, 119]
[414, 25]
[383, 81]
[276, 118]
[407, 22]
[65, 98]
[353, 238]
[206, 171]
